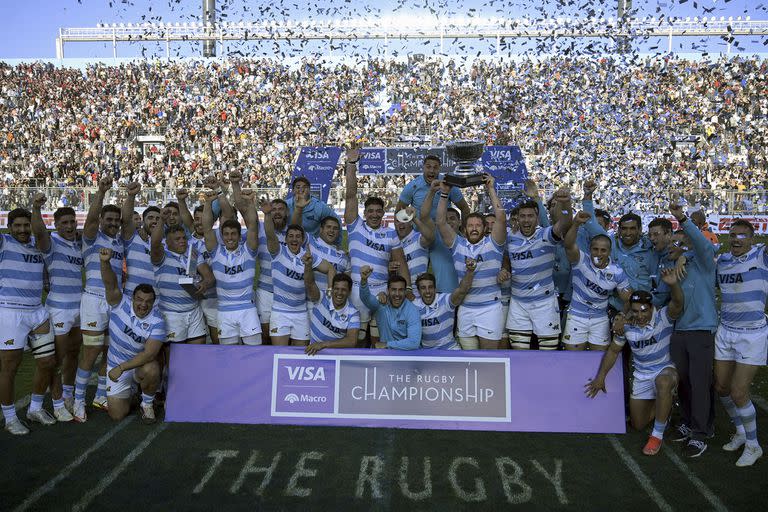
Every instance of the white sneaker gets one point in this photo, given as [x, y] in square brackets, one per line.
[78, 412]
[100, 402]
[147, 414]
[41, 416]
[736, 442]
[750, 456]
[16, 427]
[69, 403]
[62, 414]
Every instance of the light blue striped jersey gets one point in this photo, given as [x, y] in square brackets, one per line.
[506, 286]
[172, 297]
[235, 272]
[437, 322]
[488, 255]
[416, 256]
[138, 263]
[65, 268]
[333, 255]
[532, 262]
[93, 283]
[373, 247]
[649, 344]
[265, 259]
[21, 273]
[210, 293]
[593, 286]
[743, 284]
[290, 295]
[330, 324]
[128, 333]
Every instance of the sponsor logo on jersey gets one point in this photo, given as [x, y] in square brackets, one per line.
[8, 342]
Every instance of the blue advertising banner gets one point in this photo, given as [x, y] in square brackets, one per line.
[372, 161]
[507, 166]
[317, 164]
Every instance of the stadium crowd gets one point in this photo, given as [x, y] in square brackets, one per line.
[443, 278]
[623, 123]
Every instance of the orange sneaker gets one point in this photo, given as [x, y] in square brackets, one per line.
[653, 446]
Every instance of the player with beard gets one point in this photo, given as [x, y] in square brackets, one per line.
[23, 316]
[65, 270]
[370, 244]
[416, 242]
[417, 193]
[136, 241]
[398, 319]
[595, 278]
[265, 286]
[100, 232]
[334, 321]
[741, 342]
[480, 324]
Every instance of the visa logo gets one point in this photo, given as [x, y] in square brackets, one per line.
[501, 154]
[317, 154]
[311, 373]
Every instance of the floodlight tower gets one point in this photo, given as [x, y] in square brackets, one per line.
[209, 20]
[623, 10]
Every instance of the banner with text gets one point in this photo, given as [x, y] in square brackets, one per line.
[505, 390]
[317, 164]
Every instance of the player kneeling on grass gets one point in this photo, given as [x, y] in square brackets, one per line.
[334, 322]
[137, 333]
[648, 331]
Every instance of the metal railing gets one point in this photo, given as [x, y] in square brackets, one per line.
[79, 198]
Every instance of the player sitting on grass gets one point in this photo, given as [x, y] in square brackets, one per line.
[648, 331]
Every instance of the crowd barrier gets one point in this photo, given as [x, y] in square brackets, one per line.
[501, 390]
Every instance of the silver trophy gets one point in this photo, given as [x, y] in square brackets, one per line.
[190, 279]
[465, 153]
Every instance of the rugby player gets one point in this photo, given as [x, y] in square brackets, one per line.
[533, 306]
[417, 193]
[437, 309]
[334, 321]
[137, 333]
[136, 241]
[182, 312]
[416, 242]
[307, 211]
[399, 321]
[99, 232]
[289, 322]
[265, 286]
[479, 317]
[370, 244]
[233, 262]
[22, 314]
[323, 246]
[648, 331]
[64, 262]
[741, 342]
[595, 278]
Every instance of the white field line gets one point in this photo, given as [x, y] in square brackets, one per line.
[641, 477]
[700, 486]
[64, 473]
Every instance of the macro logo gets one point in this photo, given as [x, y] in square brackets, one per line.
[302, 386]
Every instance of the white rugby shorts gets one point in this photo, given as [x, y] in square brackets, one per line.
[541, 317]
[745, 346]
[94, 313]
[595, 331]
[295, 325]
[63, 320]
[17, 324]
[239, 324]
[482, 321]
[184, 326]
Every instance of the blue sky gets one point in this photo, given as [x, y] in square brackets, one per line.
[29, 27]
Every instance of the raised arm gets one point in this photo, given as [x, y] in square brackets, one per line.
[42, 236]
[458, 295]
[424, 224]
[350, 197]
[365, 294]
[226, 211]
[499, 231]
[156, 249]
[563, 212]
[703, 247]
[531, 190]
[441, 216]
[313, 291]
[186, 216]
[208, 233]
[677, 302]
[572, 250]
[91, 227]
[246, 204]
[273, 244]
[113, 293]
[300, 201]
[587, 205]
[126, 211]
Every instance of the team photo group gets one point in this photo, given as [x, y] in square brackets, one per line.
[226, 265]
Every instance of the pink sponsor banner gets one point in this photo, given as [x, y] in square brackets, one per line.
[423, 389]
